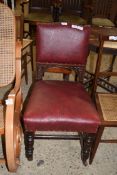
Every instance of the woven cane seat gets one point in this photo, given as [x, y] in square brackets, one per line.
[108, 103]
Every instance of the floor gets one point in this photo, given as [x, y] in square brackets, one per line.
[63, 158]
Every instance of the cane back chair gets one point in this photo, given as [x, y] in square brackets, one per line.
[99, 12]
[10, 74]
[61, 105]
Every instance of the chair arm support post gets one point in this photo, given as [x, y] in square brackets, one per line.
[18, 66]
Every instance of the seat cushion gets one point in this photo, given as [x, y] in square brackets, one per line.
[102, 22]
[60, 106]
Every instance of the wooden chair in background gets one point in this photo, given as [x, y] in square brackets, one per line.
[27, 46]
[71, 11]
[106, 102]
[106, 43]
[107, 109]
[100, 12]
[10, 74]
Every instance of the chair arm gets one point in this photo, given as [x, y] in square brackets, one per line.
[14, 99]
[18, 67]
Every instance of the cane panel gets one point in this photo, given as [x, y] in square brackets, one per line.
[7, 45]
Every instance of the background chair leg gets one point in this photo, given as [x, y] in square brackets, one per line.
[86, 141]
[29, 142]
[96, 143]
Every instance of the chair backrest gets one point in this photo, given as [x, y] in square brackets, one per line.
[66, 45]
[39, 4]
[102, 8]
[7, 45]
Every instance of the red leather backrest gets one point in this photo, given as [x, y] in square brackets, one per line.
[65, 44]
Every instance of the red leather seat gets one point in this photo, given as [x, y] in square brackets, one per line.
[60, 106]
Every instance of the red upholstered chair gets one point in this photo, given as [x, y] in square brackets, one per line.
[61, 105]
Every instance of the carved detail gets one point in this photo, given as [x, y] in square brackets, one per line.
[86, 141]
[29, 142]
[78, 69]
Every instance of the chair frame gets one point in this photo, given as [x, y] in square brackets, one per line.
[12, 100]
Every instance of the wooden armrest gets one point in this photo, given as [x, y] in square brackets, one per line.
[15, 97]
[17, 86]
[18, 66]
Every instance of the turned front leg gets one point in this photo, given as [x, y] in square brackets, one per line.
[29, 143]
[86, 141]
